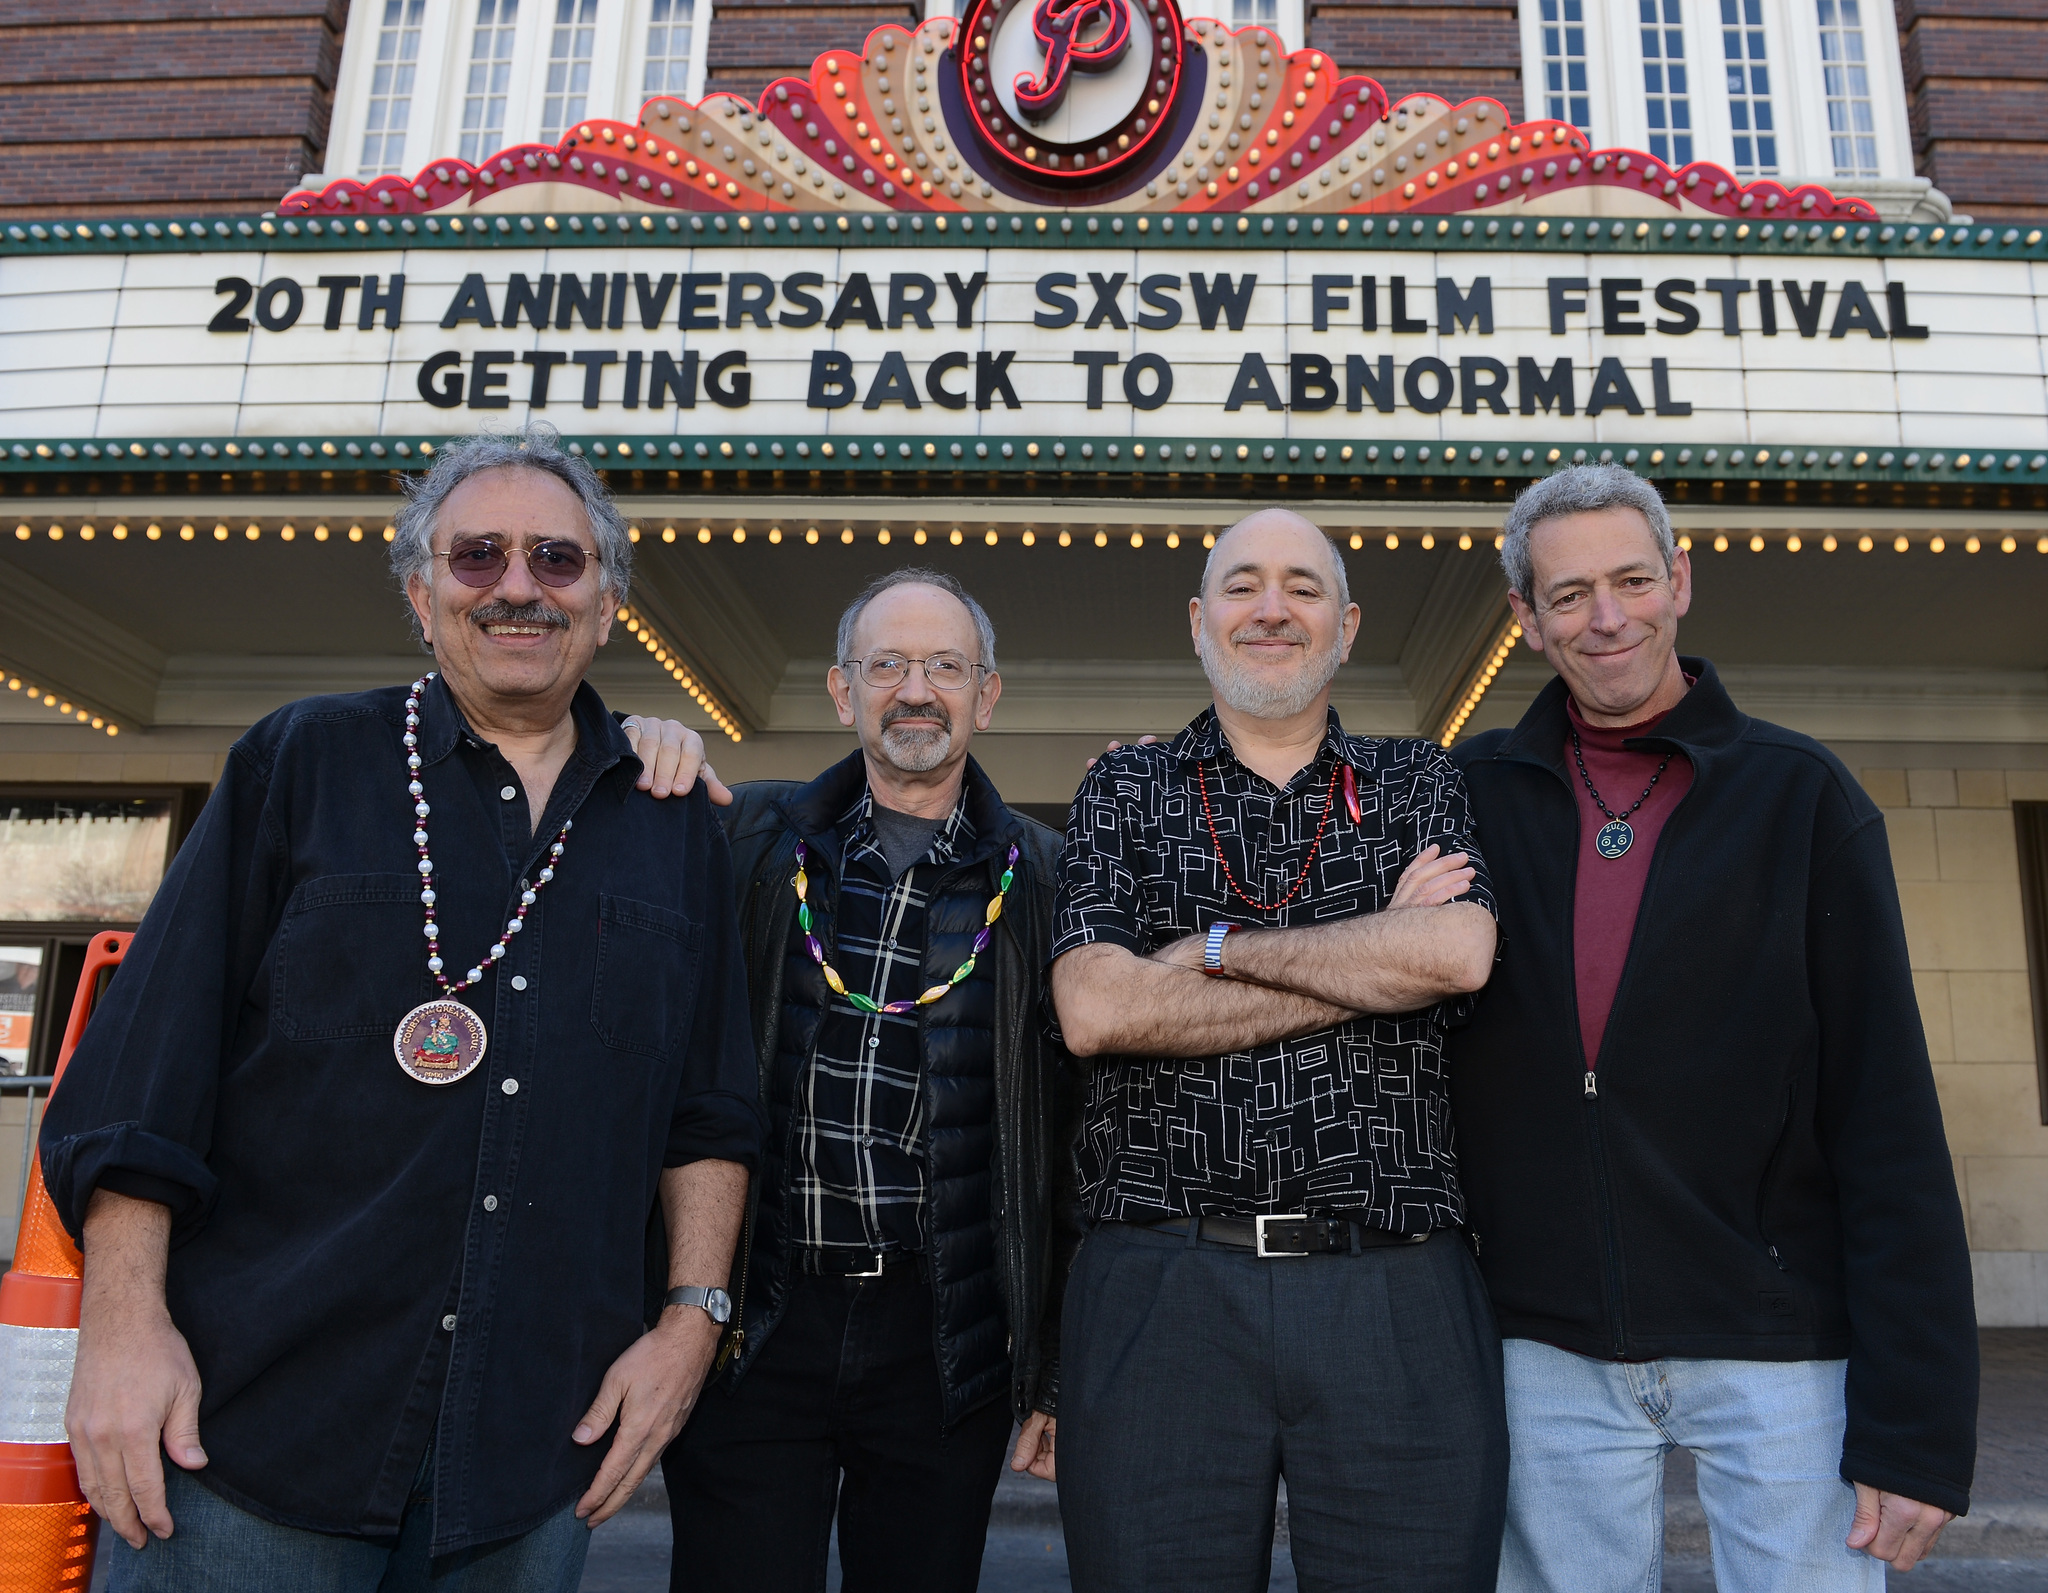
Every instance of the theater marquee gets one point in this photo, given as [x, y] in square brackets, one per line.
[1142, 240]
[1104, 340]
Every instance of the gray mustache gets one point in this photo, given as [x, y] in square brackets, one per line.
[499, 612]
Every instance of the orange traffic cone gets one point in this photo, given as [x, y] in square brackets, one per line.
[47, 1530]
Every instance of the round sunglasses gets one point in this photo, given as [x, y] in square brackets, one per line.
[482, 561]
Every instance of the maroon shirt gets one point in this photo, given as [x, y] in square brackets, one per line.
[1609, 890]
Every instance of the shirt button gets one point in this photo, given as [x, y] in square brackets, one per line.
[519, 981]
[448, 1322]
[509, 792]
[510, 1086]
[867, 1139]
[873, 1041]
[490, 1203]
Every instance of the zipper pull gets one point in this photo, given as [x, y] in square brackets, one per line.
[1592, 1088]
[735, 1341]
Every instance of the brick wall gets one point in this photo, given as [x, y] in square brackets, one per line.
[753, 42]
[1455, 48]
[1977, 93]
[162, 106]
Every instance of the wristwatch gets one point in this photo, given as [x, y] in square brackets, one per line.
[714, 1303]
[1212, 950]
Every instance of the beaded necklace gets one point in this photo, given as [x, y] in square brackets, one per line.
[439, 1042]
[1301, 879]
[866, 1004]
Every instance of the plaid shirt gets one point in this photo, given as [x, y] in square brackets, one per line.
[1353, 1119]
[858, 1163]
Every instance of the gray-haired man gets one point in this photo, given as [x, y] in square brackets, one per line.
[897, 1299]
[1703, 1157]
[433, 1017]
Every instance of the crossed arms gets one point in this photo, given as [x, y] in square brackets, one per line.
[1278, 983]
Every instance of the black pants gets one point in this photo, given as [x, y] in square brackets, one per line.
[1194, 1377]
[848, 1384]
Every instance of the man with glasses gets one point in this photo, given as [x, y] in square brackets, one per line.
[896, 1296]
[434, 1028]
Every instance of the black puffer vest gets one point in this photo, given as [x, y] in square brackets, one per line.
[1002, 1218]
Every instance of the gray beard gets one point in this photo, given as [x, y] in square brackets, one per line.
[1254, 692]
[916, 750]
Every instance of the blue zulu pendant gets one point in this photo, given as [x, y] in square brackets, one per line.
[1614, 839]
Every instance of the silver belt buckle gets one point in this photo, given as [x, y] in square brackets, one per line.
[875, 1272]
[1259, 1229]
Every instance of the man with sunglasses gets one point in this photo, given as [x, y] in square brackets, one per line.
[434, 1036]
[896, 1296]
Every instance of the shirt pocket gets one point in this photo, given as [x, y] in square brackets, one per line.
[645, 993]
[345, 950]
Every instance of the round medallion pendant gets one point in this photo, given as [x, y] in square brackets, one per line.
[1615, 838]
[439, 1042]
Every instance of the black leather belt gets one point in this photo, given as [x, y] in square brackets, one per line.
[1289, 1235]
[837, 1263]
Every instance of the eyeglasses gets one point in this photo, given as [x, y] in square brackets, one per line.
[943, 671]
[483, 561]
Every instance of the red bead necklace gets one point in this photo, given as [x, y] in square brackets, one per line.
[1301, 879]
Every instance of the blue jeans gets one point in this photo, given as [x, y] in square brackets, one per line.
[216, 1547]
[1587, 1441]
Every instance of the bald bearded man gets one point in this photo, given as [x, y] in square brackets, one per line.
[1263, 928]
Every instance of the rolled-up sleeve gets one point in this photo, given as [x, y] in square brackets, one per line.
[135, 1110]
[717, 1114]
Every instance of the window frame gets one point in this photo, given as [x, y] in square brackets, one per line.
[462, 30]
[1601, 56]
[1887, 94]
[1775, 63]
[425, 129]
[634, 70]
[1614, 78]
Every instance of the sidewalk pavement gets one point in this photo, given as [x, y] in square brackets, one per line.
[2000, 1547]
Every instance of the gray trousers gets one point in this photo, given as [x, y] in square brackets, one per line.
[1194, 1377]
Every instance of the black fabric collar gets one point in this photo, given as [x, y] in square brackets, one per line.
[1204, 740]
[601, 745]
[814, 811]
[1705, 721]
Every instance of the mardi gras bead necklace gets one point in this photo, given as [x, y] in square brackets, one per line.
[439, 1042]
[1341, 773]
[802, 883]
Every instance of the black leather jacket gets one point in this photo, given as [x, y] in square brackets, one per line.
[1002, 1217]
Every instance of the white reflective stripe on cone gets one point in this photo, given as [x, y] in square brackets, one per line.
[35, 1382]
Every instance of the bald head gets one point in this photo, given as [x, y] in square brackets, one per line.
[1269, 531]
[1275, 617]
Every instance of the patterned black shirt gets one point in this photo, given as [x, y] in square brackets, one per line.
[857, 1174]
[1352, 1119]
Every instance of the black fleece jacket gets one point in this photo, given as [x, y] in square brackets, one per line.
[1762, 1174]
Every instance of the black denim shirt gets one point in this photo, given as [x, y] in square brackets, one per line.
[329, 1213]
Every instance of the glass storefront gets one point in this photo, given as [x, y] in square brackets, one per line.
[82, 859]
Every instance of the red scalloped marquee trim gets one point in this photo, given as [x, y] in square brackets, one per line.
[838, 152]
